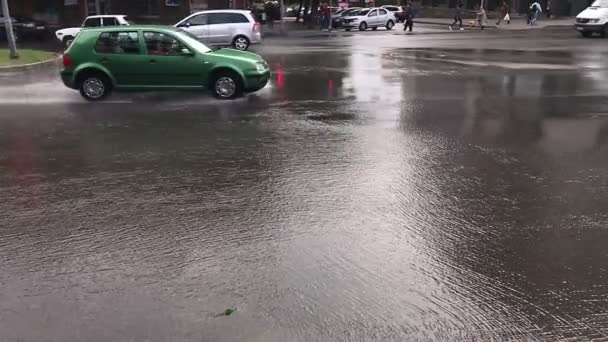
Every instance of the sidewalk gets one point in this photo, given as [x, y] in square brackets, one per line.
[516, 23]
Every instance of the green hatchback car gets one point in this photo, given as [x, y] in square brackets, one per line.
[157, 57]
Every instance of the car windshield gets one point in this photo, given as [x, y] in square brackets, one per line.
[350, 12]
[600, 3]
[191, 40]
[362, 12]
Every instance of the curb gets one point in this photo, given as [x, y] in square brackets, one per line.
[32, 66]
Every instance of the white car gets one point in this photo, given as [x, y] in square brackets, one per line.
[369, 18]
[234, 28]
[396, 10]
[594, 19]
[66, 35]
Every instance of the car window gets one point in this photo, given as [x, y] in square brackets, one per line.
[373, 13]
[362, 12]
[238, 18]
[382, 12]
[110, 22]
[226, 18]
[118, 43]
[200, 19]
[92, 22]
[162, 44]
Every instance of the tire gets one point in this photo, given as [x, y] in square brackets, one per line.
[363, 26]
[347, 30]
[67, 41]
[226, 85]
[586, 34]
[389, 25]
[240, 43]
[94, 86]
[374, 28]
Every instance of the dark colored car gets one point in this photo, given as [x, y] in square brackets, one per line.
[336, 20]
[29, 28]
[24, 28]
[3, 35]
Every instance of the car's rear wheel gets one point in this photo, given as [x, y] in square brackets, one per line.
[586, 34]
[389, 25]
[363, 26]
[67, 41]
[240, 43]
[226, 85]
[94, 86]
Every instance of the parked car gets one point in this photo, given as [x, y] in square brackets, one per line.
[157, 57]
[3, 35]
[369, 18]
[30, 28]
[594, 19]
[234, 28]
[396, 10]
[66, 35]
[336, 19]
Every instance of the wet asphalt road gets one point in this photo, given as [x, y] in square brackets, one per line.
[433, 187]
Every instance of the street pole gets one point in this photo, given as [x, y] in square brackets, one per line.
[8, 24]
[282, 11]
[97, 8]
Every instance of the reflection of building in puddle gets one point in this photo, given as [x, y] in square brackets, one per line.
[369, 81]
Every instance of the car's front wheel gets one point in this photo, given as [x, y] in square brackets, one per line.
[94, 86]
[389, 25]
[586, 34]
[226, 85]
[67, 41]
[363, 26]
[240, 43]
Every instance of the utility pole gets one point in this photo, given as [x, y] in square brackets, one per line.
[8, 24]
[282, 11]
[97, 8]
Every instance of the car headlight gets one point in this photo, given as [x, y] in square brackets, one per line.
[30, 25]
[594, 20]
[261, 67]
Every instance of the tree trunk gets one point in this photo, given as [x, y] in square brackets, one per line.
[306, 7]
[299, 11]
[314, 4]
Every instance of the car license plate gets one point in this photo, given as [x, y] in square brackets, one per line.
[39, 27]
[579, 28]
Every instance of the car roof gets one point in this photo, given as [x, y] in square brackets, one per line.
[107, 16]
[132, 28]
[224, 11]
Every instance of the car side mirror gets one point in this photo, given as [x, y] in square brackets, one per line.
[186, 52]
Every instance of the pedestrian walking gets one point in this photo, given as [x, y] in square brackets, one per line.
[482, 17]
[327, 16]
[504, 14]
[548, 9]
[322, 16]
[408, 15]
[457, 17]
[535, 10]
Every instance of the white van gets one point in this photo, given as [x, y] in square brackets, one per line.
[594, 19]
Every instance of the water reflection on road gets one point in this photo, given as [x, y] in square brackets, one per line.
[361, 196]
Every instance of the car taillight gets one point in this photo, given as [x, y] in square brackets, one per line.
[256, 27]
[67, 61]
